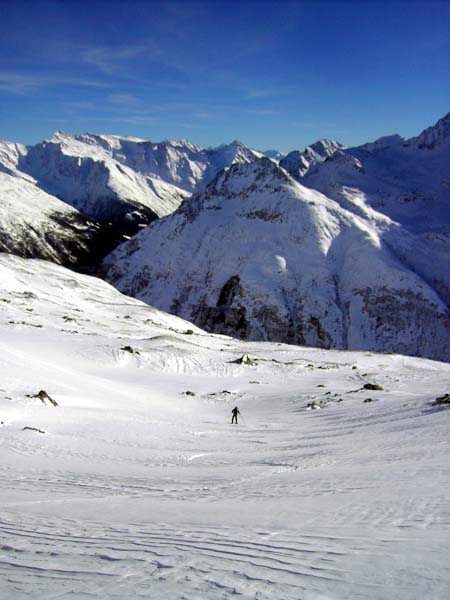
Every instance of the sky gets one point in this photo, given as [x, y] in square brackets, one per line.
[271, 74]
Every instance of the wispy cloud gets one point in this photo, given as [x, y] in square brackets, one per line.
[111, 60]
[123, 99]
[140, 120]
[22, 85]
[259, 93]
[90, 83]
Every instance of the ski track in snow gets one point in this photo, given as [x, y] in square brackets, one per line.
[318, 556]
[139, 490]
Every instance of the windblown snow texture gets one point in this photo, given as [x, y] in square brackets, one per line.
[136, 485]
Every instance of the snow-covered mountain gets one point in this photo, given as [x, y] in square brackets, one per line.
[85, 174]
[260, 256]
[274, 154]
[166, 167]
[123, 183]
[407, 180]
[121, 476]
[298, 164]
[36, 224]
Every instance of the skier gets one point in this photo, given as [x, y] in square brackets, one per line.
[235, 412]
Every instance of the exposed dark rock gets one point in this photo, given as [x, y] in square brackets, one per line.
[442, 400]
[43, 396]
[245, 360]
[32, 429]
[130, 350]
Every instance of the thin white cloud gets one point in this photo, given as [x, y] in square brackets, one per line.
[110, 60]
[259, 93]
[22, 85]
[123, 99]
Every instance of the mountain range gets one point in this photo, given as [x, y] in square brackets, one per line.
[333, 247]
[116, 184]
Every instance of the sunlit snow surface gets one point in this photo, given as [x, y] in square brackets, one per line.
[139, 490]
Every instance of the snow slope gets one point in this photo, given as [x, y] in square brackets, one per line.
[260, 256]
[137, 489]
[87, 176]
[125, 181]
[408, 180]
[36, 224]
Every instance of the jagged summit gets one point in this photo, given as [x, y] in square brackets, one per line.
[247, 176]
[176, 162]
[261, 179]
[298, 164]
[405, 179]
[434, 136]
[325, 147]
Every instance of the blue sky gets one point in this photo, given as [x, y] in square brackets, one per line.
[271, 74]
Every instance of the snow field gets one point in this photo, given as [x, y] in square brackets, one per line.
[137, 489]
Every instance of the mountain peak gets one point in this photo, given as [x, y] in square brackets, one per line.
[273, 154]
[298, 164]
[326, 147]
[434, 136]
[252, 175]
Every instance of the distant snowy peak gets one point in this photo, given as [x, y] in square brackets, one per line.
[295, 163]
[243, 178]
[407, 180]
[84, 173]
[323, 148]
[276, 155]
[433, 137]
[381, 144]
[260, 179]
[236, 152]
[298, 164]
[179, 163]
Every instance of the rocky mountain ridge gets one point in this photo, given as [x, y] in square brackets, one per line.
[107, 187]
[298, 268]
[298, 164]
[351, 252]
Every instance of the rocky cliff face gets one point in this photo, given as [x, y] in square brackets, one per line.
[260, 256]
